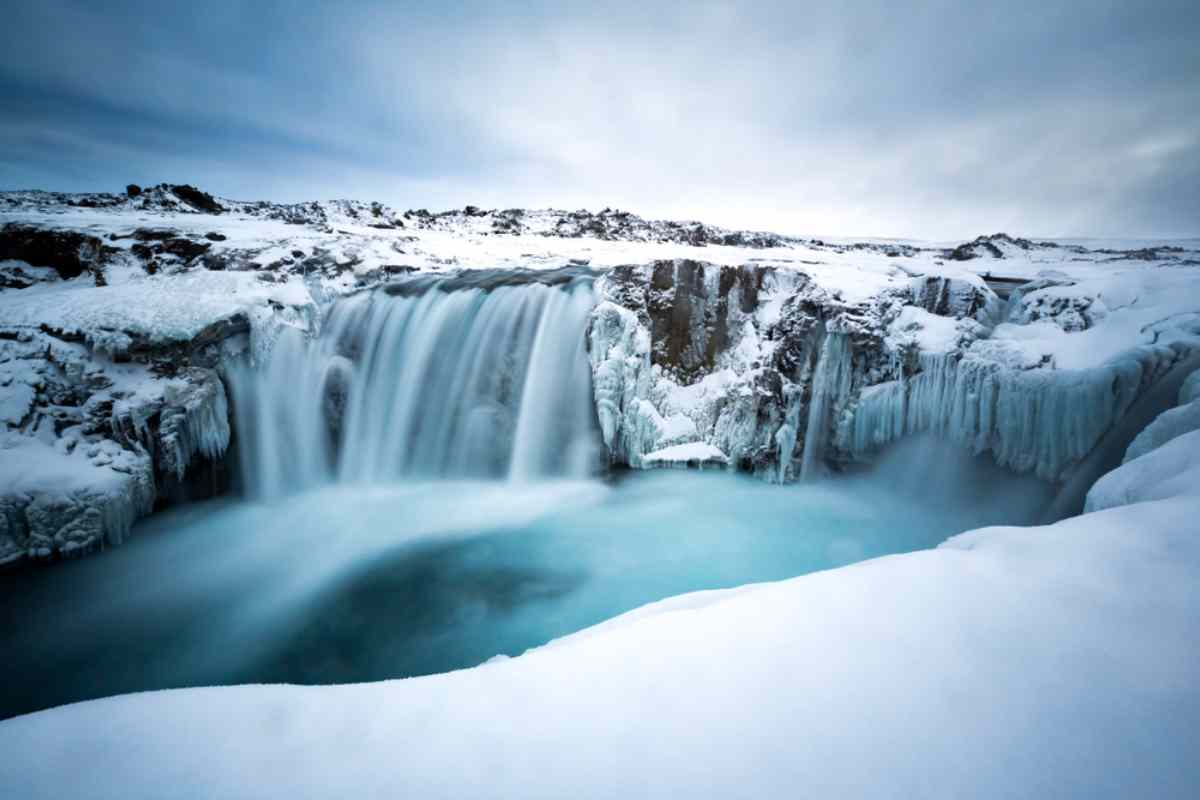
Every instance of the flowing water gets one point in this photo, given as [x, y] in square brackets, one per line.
[423, 496]
[447, 382]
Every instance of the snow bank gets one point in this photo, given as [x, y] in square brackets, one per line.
[697, 453]
[1170, 470]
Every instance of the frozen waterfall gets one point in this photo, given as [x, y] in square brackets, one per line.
[1043, 420]
[441, 378]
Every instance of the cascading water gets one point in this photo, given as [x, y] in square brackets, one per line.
[446, 378]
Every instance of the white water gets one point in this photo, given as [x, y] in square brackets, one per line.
[447, 383]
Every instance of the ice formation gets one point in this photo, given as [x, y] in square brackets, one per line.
[1171, 423]
[1030, 419]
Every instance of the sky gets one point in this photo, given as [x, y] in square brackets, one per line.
[934, 120]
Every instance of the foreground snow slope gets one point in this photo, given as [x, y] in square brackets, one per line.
[1057, 661]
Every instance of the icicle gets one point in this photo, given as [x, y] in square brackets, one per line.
[1039, 420]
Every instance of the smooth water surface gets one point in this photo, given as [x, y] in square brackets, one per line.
[352, 584]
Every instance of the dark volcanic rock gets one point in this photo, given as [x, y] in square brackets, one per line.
[689, 324]
[197, 199]
[133, 190]
[154, 234]
[185, 249]
[69, 253]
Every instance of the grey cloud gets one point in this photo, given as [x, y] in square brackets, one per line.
[936, 119]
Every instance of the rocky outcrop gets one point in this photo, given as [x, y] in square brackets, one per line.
[757, 362]
[606, 225]
[68, 253]
[1056, 299]
[787, 381]
[91, 438]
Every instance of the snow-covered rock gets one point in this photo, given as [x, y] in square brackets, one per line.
[753, 361]
[691, 454]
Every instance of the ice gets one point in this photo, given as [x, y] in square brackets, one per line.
[65, 503]
[1030, 419]
[194, 421]
[1190, 391]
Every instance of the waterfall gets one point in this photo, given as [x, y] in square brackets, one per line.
[830, 384]
[430, 379]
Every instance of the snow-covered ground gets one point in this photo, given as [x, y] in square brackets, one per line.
[1053, 661]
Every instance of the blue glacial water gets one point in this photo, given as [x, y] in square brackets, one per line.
[348, 583]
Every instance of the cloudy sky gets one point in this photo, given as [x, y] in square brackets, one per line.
[862, 117]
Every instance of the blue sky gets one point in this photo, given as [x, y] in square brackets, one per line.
[865, 117]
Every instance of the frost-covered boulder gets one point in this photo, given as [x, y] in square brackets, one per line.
[1063, 303]
[64, 500]
[958, 297]
[88, 444]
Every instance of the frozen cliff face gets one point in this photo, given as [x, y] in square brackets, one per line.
[111, 399]
[757, 363]
[786, 378]
[1030, 418]
[88, 443]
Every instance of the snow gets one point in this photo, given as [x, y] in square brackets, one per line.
[160, 308]
[698, 452]
[1168, 425]
[63, 499]
[1167, 471]
[930, 332]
